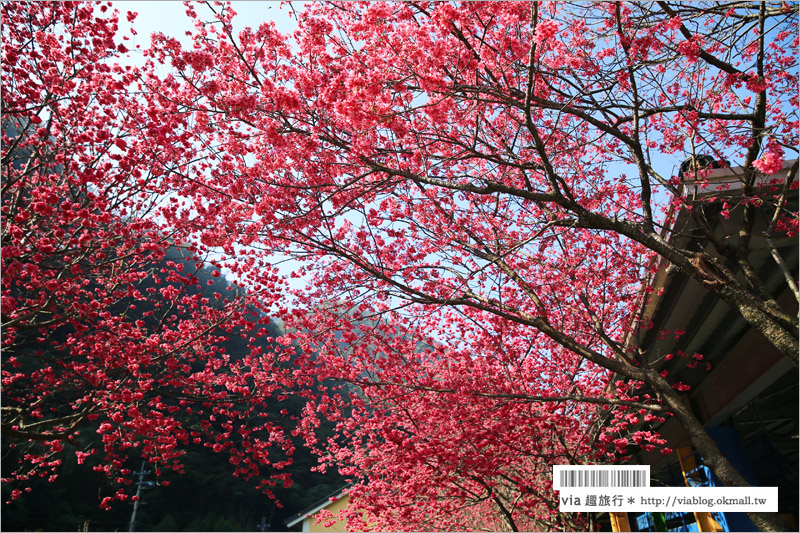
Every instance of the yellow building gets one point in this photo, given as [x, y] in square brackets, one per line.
[309, 517]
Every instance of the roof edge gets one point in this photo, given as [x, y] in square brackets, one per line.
[321, 504]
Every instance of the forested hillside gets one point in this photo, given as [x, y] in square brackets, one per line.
[207, 497]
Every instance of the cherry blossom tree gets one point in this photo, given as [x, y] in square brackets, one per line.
[475, 194]
[105, 329]
[478, 193]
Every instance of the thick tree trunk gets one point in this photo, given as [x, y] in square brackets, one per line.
[779, 329]
[712, 456]
[783, 339]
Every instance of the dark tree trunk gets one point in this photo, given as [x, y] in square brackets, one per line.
[712, 456]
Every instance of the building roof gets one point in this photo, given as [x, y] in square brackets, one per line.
[319, 505]
[682, 315]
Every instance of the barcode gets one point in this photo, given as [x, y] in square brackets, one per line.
[600, 476]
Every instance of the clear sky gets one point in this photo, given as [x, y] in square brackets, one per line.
[169, 17]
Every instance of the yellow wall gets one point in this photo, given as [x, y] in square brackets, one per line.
[334, 507]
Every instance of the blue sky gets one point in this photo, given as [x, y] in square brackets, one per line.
[169, 17]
